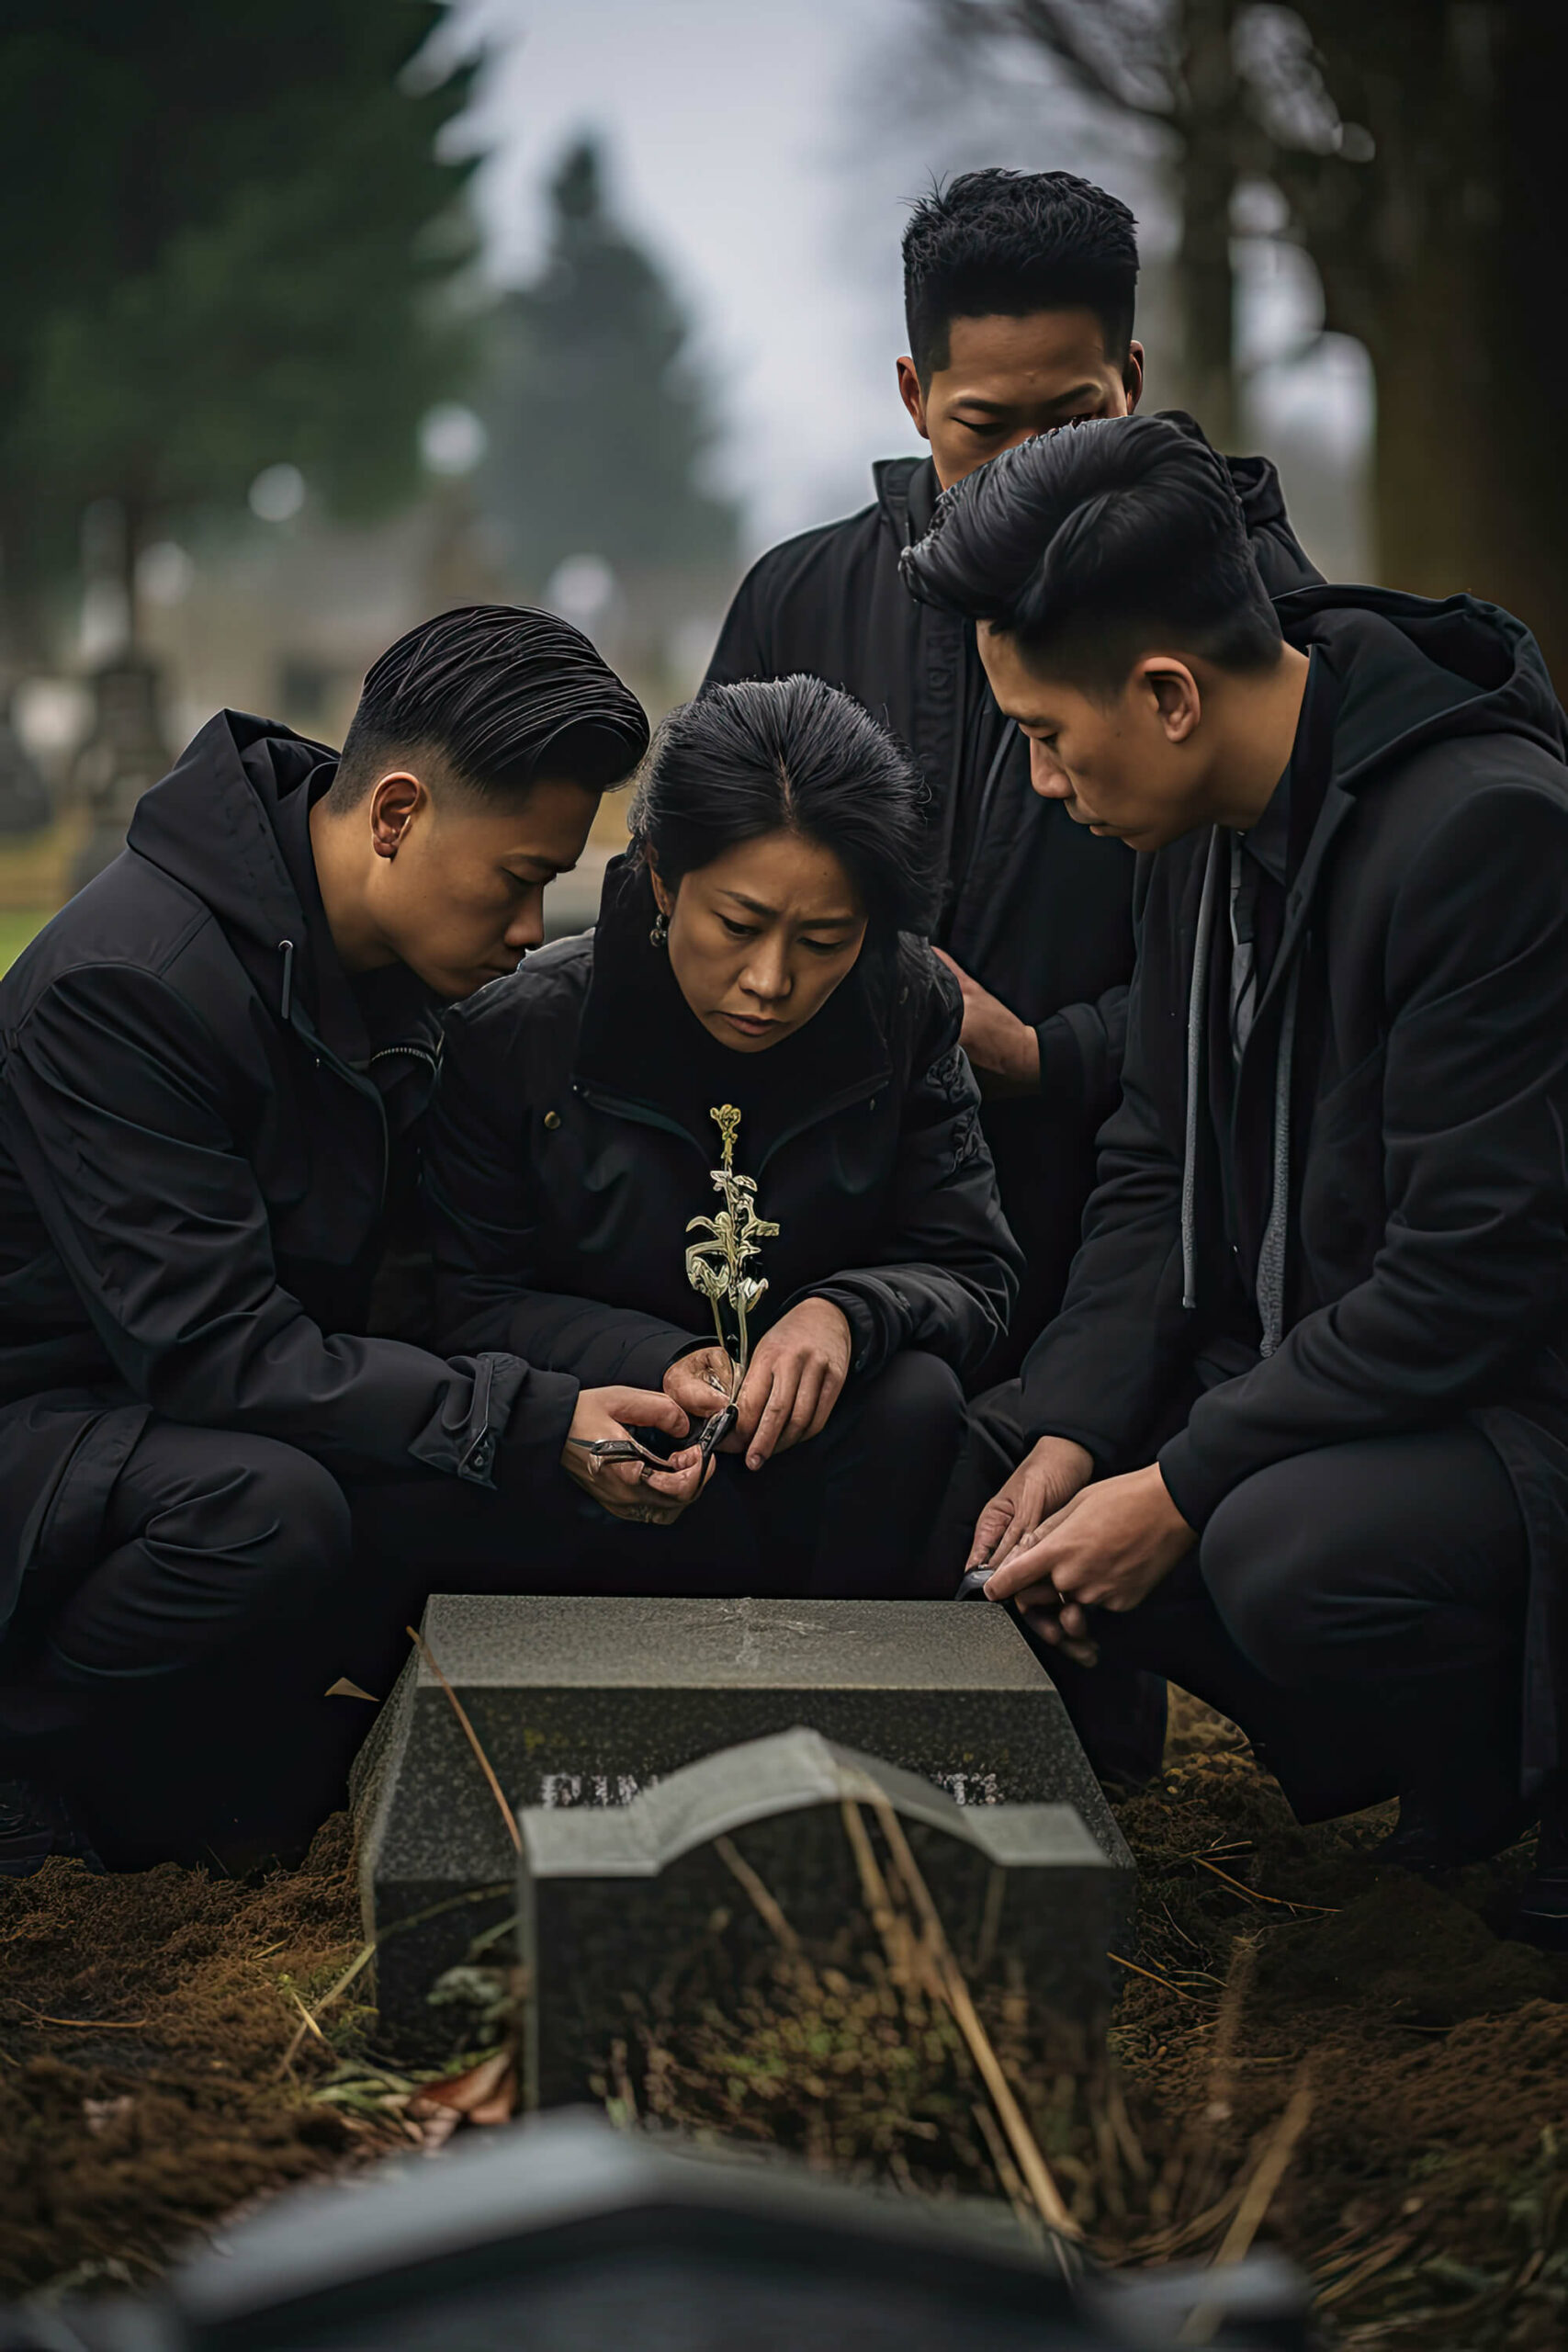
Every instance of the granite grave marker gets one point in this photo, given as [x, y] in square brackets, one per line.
[581, 1700]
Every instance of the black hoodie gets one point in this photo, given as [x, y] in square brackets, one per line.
[1036, 909]
[1408, 1063]
[200, 1116]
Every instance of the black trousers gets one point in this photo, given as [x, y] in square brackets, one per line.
[1357, 1611]
[237, 1578]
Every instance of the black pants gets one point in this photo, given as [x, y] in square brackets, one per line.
[845, 1516]
[237, 1578]
[1357, 1611]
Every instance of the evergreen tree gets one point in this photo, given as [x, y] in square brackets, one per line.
[597, 425]
[217, 229]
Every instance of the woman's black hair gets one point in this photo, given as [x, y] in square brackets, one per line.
[788, 755]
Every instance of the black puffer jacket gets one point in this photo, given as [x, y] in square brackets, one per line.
[569, 1149]
[199, 1122]
[1407, 1068]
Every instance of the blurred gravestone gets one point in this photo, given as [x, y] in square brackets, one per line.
[567, 2236]
[588, 1701]
[24, 795]
[125, 753]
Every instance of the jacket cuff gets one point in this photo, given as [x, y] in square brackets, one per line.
[530, 1449]
[649, 1357]
[871, 1345]
[1192, 1485]
[1061, 1065]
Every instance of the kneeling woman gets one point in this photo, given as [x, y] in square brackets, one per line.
[748, 953]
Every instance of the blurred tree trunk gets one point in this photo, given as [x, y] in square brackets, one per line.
[1172, 62]
[1443, 255]
[1207, 116]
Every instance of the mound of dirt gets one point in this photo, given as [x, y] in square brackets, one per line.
[157, 2070]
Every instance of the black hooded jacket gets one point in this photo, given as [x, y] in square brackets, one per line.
[1036, 908]
[200, 1123]
[1406, 1076]
[573, 1144]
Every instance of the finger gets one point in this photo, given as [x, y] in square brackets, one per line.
[827, 1396]
[647, 1408]
[775, 1413]
[1032, 1564]
[803, 1412]
[1045, 1623]
[754, 1397]
[1073, 1622]
[989, 1529]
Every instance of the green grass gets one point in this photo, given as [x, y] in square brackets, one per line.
[16, 930]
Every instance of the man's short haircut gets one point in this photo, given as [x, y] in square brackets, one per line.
[502, 695]
[773, 755]
[1098, 543]
[1007, 243]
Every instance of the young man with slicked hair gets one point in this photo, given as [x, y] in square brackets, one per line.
[210, 1065]
[1299, 1437]
[1019, 292]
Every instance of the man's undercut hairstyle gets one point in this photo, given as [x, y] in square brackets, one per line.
[502, 695]
[1007, 243]
[788, 755]
[1096, 544]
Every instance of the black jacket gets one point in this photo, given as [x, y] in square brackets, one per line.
[199, 1122]
[1036, 910]
[570, 1148]
[1421, 985]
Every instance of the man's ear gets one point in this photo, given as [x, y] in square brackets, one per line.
[1132, 376]
[914, 400]
[394, 802]
[1173, 689]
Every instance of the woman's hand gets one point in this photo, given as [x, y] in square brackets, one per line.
[793, 1380]
[632, 1490]
[700, 1383]
[1107, 1548]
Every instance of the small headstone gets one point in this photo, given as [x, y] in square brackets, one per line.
[587, 1701]
[609, 1899]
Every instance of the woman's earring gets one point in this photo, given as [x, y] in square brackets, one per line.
[660, 935]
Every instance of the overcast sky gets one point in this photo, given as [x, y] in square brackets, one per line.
[766, 153]
[750, 147]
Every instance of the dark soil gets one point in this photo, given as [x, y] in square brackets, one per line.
[156, 2073]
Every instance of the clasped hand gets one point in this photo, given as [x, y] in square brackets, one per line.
[632, 1490]
[1062, 1547]
[793, 1382]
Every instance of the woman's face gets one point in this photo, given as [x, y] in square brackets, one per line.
[761, 938]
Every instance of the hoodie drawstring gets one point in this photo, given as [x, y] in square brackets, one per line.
[286, 1000]
[1271, 1286]
[1196, 1003]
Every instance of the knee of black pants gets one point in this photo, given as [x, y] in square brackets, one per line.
[1266, 1574]
[916, 1401]
[257, 1532]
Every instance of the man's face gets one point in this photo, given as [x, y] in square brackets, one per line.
[457, 883]
[1133, 766]
[1008, 380]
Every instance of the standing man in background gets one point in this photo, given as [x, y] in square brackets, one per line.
[1019, 292]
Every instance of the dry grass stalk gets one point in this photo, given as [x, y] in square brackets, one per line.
[1256, 2199]
[950, 1985]
[759, 1893]
[472, 1735]
[367, 1952]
